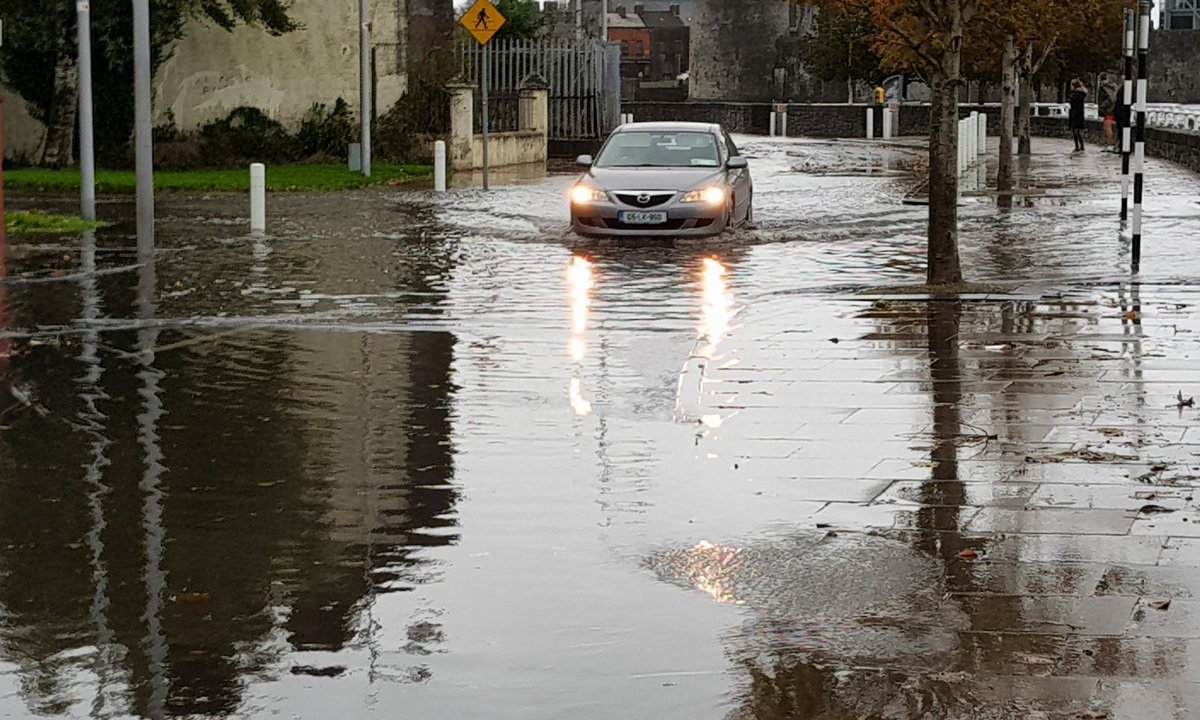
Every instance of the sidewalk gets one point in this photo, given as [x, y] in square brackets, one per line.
[1028, 461]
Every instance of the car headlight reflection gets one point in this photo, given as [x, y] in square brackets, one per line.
[584, 195]
[709, 196]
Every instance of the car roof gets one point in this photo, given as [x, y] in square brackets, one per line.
[679, 126]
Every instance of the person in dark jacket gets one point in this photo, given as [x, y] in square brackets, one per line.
[1075, 117]
[1106, 101]
[1123, 116]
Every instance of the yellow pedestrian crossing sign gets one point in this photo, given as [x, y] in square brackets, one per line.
[482, 21]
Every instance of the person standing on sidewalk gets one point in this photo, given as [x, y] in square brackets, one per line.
[1075, 116]
[1123, 114]
[1107, 100]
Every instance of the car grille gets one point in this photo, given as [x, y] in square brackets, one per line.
[613, 224]
[644, 200]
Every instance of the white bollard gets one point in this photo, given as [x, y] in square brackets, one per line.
[439, 166]
[773, 123]
[783, 124]
[258, 198]
[887, 123]
[983, 123]
[870, 123]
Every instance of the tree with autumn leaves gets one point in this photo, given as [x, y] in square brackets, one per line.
[927, 37]
[944, 41]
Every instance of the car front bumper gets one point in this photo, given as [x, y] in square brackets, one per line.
[602, 219]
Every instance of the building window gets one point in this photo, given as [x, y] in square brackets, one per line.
[1180, 21]
[624, 48]
[641, 48]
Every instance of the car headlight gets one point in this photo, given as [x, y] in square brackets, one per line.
[584, 195]
[709, 195]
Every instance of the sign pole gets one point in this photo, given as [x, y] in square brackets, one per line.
[483, 21]
[1127, 111]
[487, 71]
[1139, 136]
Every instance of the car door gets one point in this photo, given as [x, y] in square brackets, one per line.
[739, 181]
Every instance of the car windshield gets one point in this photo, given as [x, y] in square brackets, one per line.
[660, 148]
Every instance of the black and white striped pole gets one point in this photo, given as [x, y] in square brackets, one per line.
[1139, 141]
[1126, 111]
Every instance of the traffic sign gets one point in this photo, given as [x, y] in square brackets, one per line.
[482, 21]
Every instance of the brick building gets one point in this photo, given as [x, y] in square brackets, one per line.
[628, 29]
[670, 42]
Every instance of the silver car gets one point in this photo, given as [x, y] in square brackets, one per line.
[674, 179]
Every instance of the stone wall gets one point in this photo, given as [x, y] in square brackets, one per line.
[914, 119]
[22, 134]
[750, 118]
[734, 52]
[1174, 60]
[212, 71]
[849, 121]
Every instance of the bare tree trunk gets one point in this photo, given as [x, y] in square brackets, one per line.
[1004, 176]
[944, 267]
[58, 147]
[1025, 144]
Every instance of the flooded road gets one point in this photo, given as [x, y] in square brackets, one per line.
[420, 456]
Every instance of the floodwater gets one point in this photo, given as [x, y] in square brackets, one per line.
[421, 456]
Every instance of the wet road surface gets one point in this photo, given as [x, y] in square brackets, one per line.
[435, 457]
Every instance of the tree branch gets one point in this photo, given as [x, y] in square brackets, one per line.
[1037, 67]
[914, 45]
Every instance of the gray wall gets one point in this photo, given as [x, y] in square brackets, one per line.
[1175, 66]
[734, 49]
[849, 121]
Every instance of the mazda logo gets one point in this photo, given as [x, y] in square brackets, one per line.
[643, 199]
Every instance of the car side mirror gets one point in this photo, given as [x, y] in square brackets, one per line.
[584, 161]
[737, 163]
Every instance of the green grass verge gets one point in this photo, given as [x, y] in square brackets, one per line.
[36, 222]
[280, 177]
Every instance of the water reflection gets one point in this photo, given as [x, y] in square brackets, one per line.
[155, 642]
[580, 280]
[718, 309]
[717, 312]
[208, 519]
[93, 421]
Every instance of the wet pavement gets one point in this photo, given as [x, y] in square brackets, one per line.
[430, 456]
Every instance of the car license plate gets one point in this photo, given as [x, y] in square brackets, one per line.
[643, 218]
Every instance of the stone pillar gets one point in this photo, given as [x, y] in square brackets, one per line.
[462, 126]
[535, 105]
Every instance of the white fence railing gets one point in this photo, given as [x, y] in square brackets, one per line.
[1173, 117]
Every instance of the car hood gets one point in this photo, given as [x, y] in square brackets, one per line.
[654, 178]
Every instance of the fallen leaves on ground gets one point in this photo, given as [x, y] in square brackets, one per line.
[1161, 604]
[1087, 455]
[191, 597]
[969, 554]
